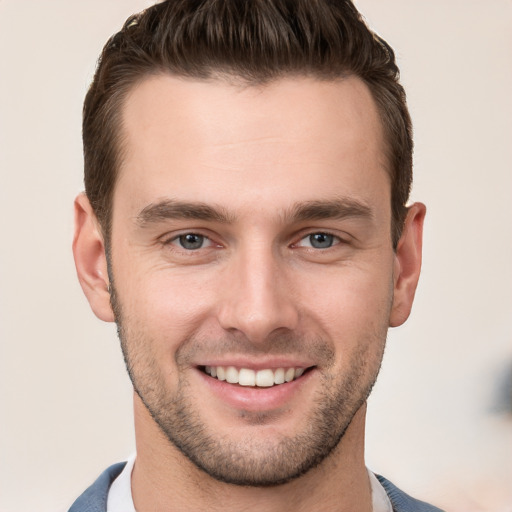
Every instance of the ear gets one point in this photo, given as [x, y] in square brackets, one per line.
[90, 259]
[407, 264]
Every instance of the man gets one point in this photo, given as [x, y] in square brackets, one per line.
[247, 169]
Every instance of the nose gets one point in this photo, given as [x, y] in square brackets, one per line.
[259, 298]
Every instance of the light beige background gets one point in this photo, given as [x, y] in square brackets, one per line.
[65, 411]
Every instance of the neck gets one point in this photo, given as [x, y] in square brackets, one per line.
[164, 479]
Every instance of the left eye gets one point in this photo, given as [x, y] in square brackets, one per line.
[192, 241]
[319, 241]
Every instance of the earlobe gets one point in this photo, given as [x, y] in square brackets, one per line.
[407, 264]
[90, 259]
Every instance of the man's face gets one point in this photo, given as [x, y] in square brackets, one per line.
[251, 236]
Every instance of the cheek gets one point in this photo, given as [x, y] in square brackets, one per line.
[350, 302]
[167, 304]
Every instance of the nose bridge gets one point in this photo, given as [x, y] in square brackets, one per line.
[258, 301]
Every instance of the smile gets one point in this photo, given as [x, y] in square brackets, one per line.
[260, 378]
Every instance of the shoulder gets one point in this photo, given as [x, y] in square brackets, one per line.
[402, 502]
[94, 499]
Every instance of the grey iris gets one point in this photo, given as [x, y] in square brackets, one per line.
[191, 241]
[321, 240]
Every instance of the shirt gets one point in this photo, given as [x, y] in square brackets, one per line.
[120, 494]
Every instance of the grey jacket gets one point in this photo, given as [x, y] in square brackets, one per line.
[94, 499]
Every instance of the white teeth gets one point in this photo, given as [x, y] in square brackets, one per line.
[279, 376]
[265, 378]
[289, 374]
[247, 377]
[231, 375]
[298, 372]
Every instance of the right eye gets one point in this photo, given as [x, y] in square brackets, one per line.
[191, 241]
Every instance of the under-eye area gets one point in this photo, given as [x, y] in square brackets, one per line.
[255, 378]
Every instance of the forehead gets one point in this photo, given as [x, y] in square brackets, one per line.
[213, 141]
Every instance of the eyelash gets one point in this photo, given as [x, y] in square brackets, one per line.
[178, 239]
[181, 236]
[334, 240]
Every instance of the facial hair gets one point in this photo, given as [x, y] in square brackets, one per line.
[254, 461]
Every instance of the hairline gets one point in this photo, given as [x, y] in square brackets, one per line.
[118, 102]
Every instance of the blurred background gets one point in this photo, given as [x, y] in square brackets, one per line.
[440, 420]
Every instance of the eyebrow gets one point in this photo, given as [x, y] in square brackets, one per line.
[332, 209]
[169, 209]
[172, 209]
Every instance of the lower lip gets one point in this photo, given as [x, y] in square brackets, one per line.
[254, 398]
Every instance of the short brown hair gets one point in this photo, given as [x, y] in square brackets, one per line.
[256, 41]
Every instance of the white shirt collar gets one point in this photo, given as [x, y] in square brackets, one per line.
[380, 500]
[120, 495]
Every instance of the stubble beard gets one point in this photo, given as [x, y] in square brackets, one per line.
[251, 462]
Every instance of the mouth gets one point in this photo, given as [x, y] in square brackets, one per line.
[247, 377]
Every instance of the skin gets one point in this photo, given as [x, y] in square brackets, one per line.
[252, 167]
